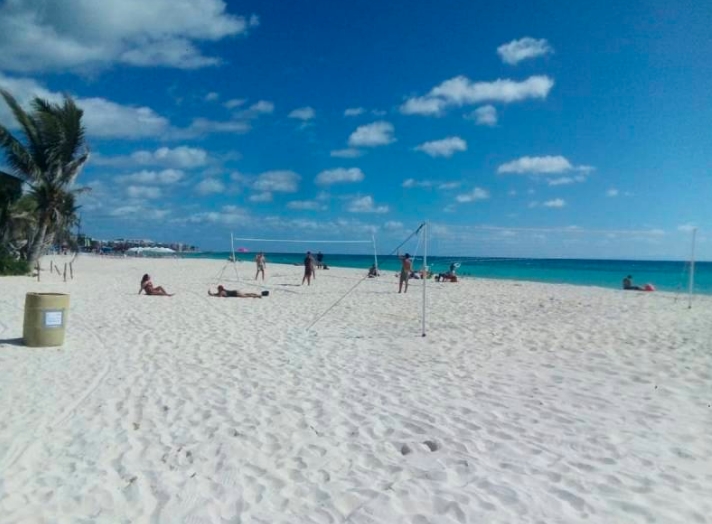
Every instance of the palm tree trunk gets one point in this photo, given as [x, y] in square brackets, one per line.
[35, 250]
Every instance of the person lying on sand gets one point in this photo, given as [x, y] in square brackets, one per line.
[233, 293]
[149, 289]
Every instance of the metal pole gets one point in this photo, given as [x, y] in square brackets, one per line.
[234, 258]
[425, 273]
[692, 270]
[375, 253]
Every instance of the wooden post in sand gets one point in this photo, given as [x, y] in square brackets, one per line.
[71, 270]
[65, 271]
[56, 268]
[51, 266]
[38, 270]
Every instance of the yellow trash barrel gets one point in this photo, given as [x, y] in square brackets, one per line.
[45, 319]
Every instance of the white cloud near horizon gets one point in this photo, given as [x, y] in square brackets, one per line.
[445, 147]
[460, 91]
[365, 204]
[346, 153]
[40, 36]
[484, 116]
[339, 175]
[547, 165]
[372, 135]
[475, 195]
[303, 113]
[687, 228]
[212, 96]
[612, 192]
[523, 49]
[279, 181]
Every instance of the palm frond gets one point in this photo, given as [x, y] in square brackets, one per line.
[26, 121]
[17, 155]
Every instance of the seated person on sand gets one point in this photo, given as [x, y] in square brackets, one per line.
[149, 289]
[233, 293]
[373, 271]
[628, 284]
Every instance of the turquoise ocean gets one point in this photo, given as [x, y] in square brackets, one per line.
[664, 275]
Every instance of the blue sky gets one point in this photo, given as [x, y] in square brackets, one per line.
[556, 130]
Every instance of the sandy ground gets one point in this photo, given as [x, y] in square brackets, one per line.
[525, 403]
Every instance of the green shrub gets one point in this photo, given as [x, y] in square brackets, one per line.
[12, 266]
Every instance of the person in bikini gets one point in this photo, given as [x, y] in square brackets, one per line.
[148, 288]
[308, 269]
[233, 293]
[406, 269]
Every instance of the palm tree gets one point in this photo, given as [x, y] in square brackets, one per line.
[48, 162]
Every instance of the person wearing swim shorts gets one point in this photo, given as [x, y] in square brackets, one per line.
[261, 262]
[406, 268]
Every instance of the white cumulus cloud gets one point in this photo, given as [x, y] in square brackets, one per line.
[210, 186]
[36, 35]
[180, 157]
[277, 181]
[235, 102]
[561, 181]
[473, 196]
[613, 192]
[557, 202]
[306, 205]
[339, 176]
[148, 192]
[365, 204]
[460, 91]
[303, 113]
[346, 153]
[546, 165]
[372, 135]
[484, 116]
[445, 147]
[354, 111]
[412, 182]
[523, 49]
[165, 177]
[105, 119]
[265, 196]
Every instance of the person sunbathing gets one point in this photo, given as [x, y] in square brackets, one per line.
[233, 293]
[148, 288]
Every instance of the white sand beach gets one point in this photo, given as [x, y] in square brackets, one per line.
[525, 402]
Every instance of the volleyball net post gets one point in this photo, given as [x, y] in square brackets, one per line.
[691, 284]
[424, 232]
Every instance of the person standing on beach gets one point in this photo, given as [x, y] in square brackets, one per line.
[319, 260]
[406, 269]
[308, 268]
[261, 262]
